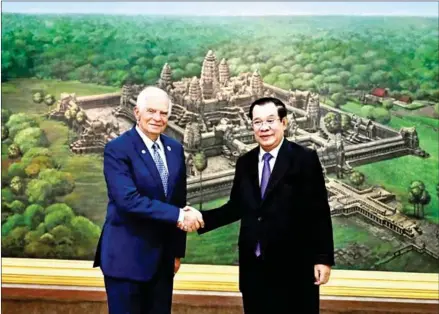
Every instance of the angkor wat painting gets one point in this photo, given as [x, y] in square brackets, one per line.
[361, 89]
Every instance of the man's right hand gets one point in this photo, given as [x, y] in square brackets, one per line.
[193, 220]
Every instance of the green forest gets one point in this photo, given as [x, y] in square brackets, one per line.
[323, 54]
[53, 202]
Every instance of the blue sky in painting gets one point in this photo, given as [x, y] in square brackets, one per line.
[229, 8]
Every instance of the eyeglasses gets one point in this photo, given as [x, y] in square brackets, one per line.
[258, 123]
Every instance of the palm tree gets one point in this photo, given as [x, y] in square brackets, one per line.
[200, 163]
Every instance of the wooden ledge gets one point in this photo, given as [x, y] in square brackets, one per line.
[71, 274]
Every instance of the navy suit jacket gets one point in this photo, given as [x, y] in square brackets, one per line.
[140, 229]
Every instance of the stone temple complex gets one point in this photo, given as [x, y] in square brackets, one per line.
[209, 113]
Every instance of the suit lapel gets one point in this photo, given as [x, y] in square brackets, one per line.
[172, 162]
[253, 172]
[145, 155]
[283, 162]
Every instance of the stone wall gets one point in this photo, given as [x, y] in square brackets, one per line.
[98, 101]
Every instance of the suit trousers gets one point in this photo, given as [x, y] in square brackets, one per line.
[263, 296]
[267, 293]
[139, 297]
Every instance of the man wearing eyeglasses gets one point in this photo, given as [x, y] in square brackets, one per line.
[141, 243]
[285, 241]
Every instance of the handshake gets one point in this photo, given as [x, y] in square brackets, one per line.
[192, 220]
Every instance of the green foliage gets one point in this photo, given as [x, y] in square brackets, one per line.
[38, 97]
[13, 221]
[436, 109]
[35, 152]
[13, 242]
[38, 164]
[33, 216]
[29, 138]
[47, 239]
[39, 191]
[7, 196]
[86, 234]
[388, 104]
[62, 235]
[16, 170]
[14, 151]
[338, 99]
[5, 132]
[17, 185]
[18, 122]
[49, 99]
[419, 197]
[62, 182]
[6, 113]
[357, 178]
[381, 115]
[35, 235]
[368, 111]
[17, 207]
[332, 122]
[38, 249]
[200, 161]
[345, 122]
[60, 214]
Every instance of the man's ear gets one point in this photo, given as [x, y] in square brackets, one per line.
[136, 113]
[284, 122]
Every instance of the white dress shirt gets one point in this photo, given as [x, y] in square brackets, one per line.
[274, 152]
[148, 143]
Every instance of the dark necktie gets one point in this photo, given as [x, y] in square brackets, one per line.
[266, 172]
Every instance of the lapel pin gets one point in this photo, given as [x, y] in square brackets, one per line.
[168, 147]
[143, 151]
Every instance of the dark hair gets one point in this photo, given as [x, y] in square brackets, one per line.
[281, 108]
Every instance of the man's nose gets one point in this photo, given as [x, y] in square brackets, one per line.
[264, 127]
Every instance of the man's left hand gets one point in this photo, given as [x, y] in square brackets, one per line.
[176, 265]
[321, 273]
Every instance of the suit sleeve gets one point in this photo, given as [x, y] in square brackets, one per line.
[323, 244]
[229, 212]
[180, 236]
[122, 189]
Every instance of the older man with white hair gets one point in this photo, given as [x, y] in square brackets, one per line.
[143, 236]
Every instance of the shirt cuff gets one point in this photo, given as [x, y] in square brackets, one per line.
[181, 216]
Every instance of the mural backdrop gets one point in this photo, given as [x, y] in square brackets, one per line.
[362, 91]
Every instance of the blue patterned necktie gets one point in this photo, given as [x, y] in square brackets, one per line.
[266, 172]
[160, 167]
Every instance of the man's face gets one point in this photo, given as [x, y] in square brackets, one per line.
[153, 118]
[268, 128]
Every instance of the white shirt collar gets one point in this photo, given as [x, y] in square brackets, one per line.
[148, 142]
[274, 152]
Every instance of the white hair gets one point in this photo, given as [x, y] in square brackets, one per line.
[151, 92]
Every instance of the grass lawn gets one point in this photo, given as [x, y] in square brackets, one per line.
[218, 247]
[17, 93]
[412, 262]
[396, 174]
